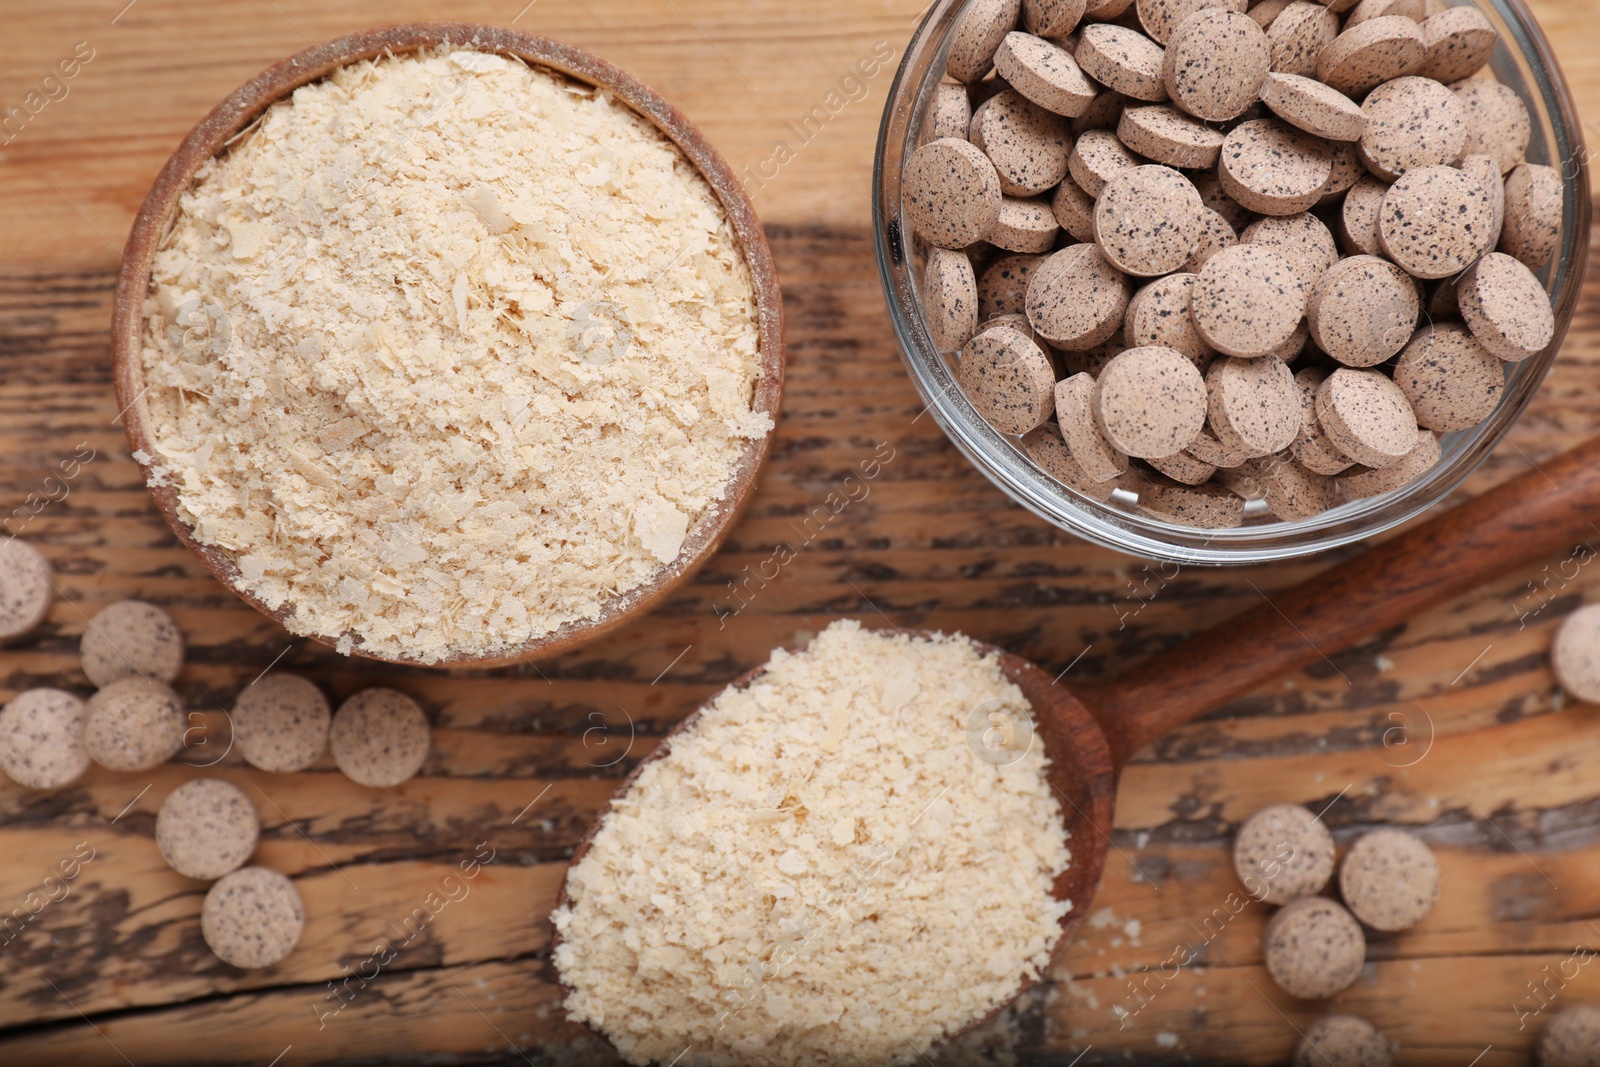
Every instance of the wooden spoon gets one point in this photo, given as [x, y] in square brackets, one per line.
[1090, 730]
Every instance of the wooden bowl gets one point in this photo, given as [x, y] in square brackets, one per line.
[247, 103]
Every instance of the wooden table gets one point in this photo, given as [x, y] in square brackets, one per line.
[1496, 774]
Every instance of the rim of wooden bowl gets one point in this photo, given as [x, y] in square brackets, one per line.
[249, 101]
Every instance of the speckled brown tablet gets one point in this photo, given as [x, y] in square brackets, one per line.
[1571, 1038]
[1365, 56]
[1314, 948]
[1451, 381]
[1283, 853]
[1008, 378]
[131, 638]
[1027, 144]
[41, 739]
[1458, 42]
[133, 724]
[1092, 361]
[1160, 17]
[1498, 123]
[1533, 204]
[949, 113]
[1163, 133]
[1435, 222]
[1360, 482]
[206, 828]
[1240, 481]
[1017, 321]
[379, 737]
[1412, 122]
[950, 298]
[1247, 300]
[1046, 448]
[1303, 240]
[1148, 221]
[1077, 298]
[1266, 12]
[1183, 468]
[1389, 880]
[1253, 405]
[1074, 210]
[1318, 109]
[1159, 314]
[1123, 60]
[1207, 448]
[1003, 286]
[1485, 170]
[1052, 18]
[1096, 158]
[1311, 446]
[1506, 307]
[1024, 226]
[1273, 168]
[1209, 186]
[1366, 416]
[280, 723]
[1345, 171]
[1076, 401]
[1215, 64]
[951, 192]
[1358, 218]
[252, 918]
[1107, 10]
[1215, 235]
[1103, 113]
[1342, 1041]
[1364, 311]
[1575, 654]
[1367, 10]
[1292, 491]
[982, 28]
[1207, 506]
[26, 589]
[1151, 402]
[1298, 36]
[1045, 73]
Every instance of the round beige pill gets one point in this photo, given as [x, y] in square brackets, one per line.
[1183, 468]
[1283, 853]
[26, 589]
[1358, 217]
[1148, 221]
[1344, 173]
[1498, 123]
[1003, 286]
[1571, 1038]
[1273, 168]
[951, 193]
[1506, 307]
[1311, 447]
[1209, 185]
[1247, 301]
[1045, 73]
[1389, 880]
[1266, 12]
[379, 737]
[1534, 200]
[1092, 361]
[1076, 400]
[280, 723]
[1215, 64]
[1303, 240]
[1486, 172]
[1314, 948]
[1206, 507]
[1298, 35]
[1318, 109]
[1575, 654]
[1162, 133]
[1209, 449]
[131, 638]
[1008, 379]
[1365, 56]
[1342, 1041]
[1024, 226]
[1436, 221]
[982, 28]
[1366, 416]
[1151, 402]
[41, 739]
[1076, 299]
[133, 724]
[1102, 114]
[1412, 122]
[1074, 210]
[1457, 42]
[1052, 18]
[1123, 60]
[1027, 144]
[1364, 311]
[1240, 481]
[1050, 453]
[252, 918]
[1159, 314]
[949, 113]
[1415, 10]
[1097, 158]
[1360, 482]
[1161, 17]
[206, 828]
[1215, 235]
[950, 298]
[1253, 405]
[1451, 381]
[1294, 492]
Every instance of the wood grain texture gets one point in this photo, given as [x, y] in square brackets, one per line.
[1449, 724]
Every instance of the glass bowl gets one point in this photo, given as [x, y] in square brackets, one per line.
[1522, 61]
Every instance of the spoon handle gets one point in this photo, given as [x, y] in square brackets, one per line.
[1543, 511]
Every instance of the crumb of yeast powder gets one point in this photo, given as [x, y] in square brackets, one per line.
[821, 871]
[446, 352]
